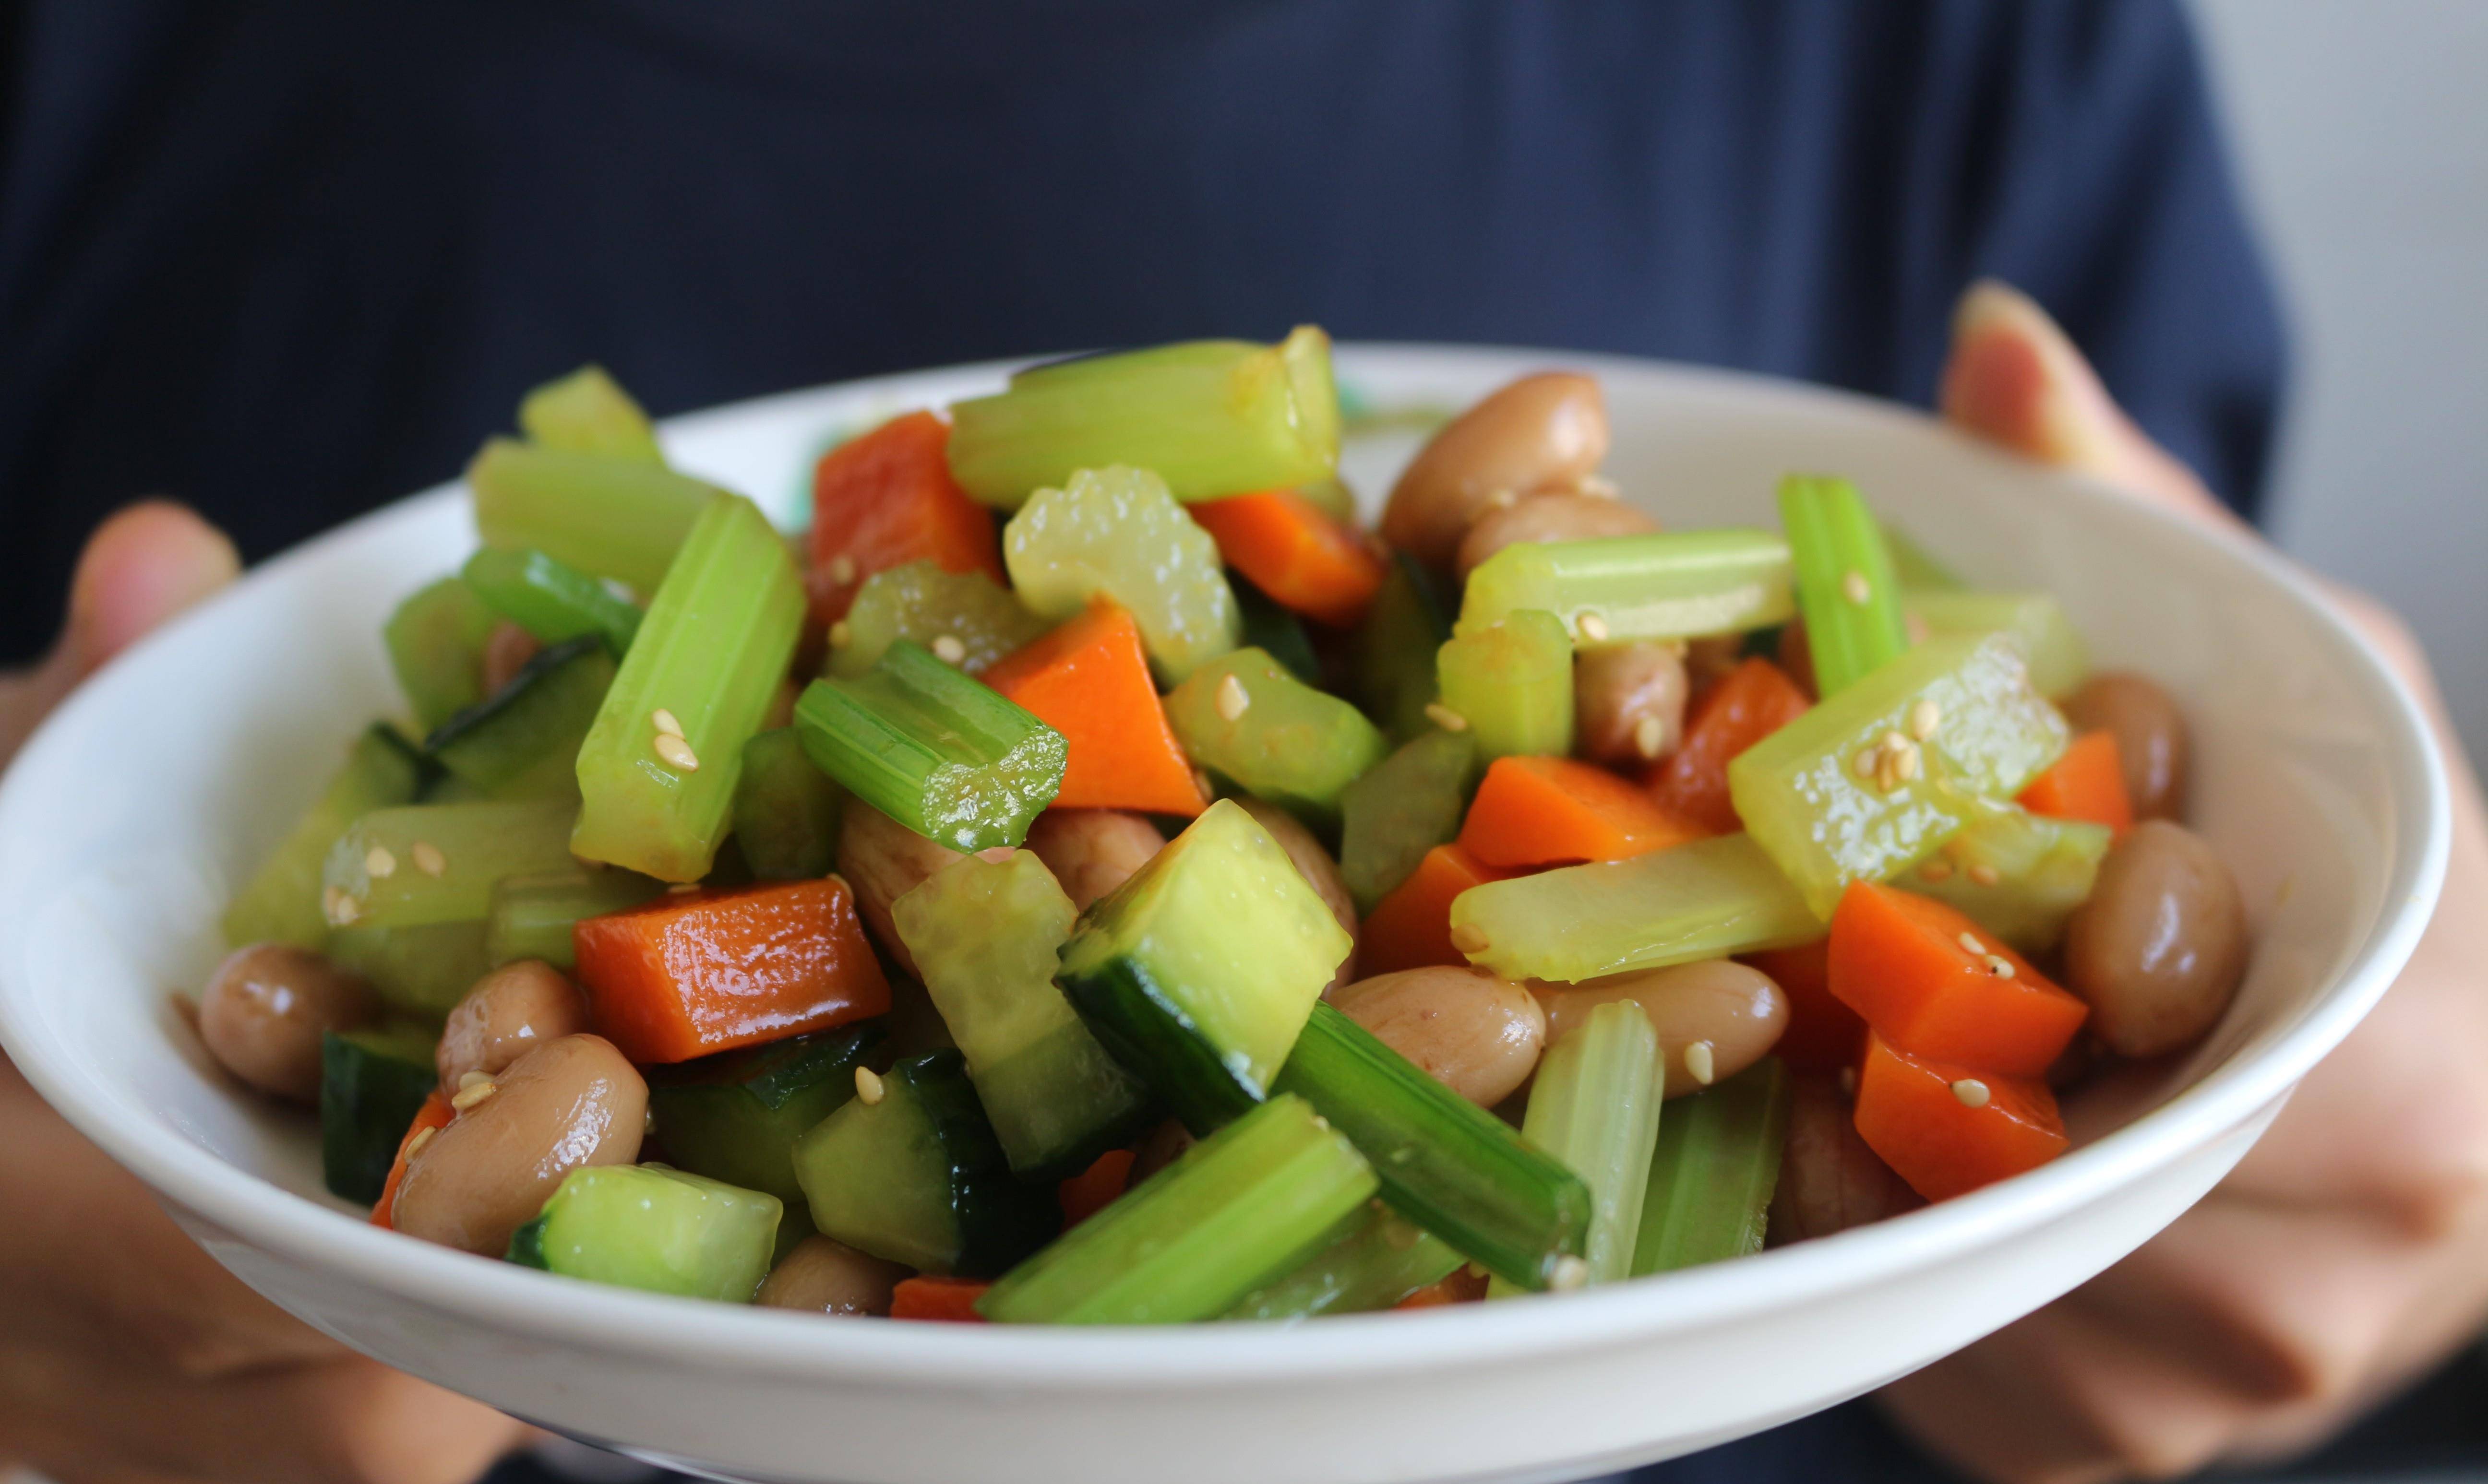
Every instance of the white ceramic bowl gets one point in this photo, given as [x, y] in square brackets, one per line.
[130, 816]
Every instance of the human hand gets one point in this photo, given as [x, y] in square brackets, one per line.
[126, 1354]
[2348, 1252]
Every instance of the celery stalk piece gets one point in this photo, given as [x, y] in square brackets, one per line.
[550, 600]
[1511, 683]
[1851, 792]
[1381, 1260]
[1702, 900]
[1243, 717]
[1395, 648]
[934, 750]
[1212, 419]
[1664, 585]
[1274, 629]
[608, 516]
[2058, 658]
[1916, 567]
[1845, 584]
[588, 412]
[1594, 1106]
[1711, 1177]
[657, 771]
[428, 863]
[1118, 532]
[922, 603]
[281, 902]
[1412, 801]
[424, 971]
[786, 811]
[436, 645]
[2018, 875]
[531, 915]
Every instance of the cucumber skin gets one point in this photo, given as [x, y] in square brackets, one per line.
[1000, 1221]
[735, 1116]
[1142, 1027]
[472, 746]
[526, 1244]
[367, 1098]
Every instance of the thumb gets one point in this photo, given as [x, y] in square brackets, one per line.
[141, 568]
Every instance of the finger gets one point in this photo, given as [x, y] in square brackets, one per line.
[143, 566]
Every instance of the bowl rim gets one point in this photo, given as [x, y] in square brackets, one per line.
[497, 1297]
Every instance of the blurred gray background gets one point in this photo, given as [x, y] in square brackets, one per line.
[2358, 129]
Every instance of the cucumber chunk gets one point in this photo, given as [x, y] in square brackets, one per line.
[553, 601]
[1274, 630]
[649, 1227]
[281, 904]
[531, 915]
[1242, 716]
[372, 1083]
[423, 970]
[1510, 685]
[736, 1116]
[1395, 648]
[786, 811]
[428, 863]
[588, 412]
[1118, 531]
[436, 645]
[1713, 1174]
[2017, 874]
[522, 742]
[1381, 1260]
[1410, 803]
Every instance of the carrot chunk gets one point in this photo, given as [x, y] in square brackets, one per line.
[1463, 1286]
[1754, 700]
[1298, 553]
[1934, 984]
[2086, 783]
[1411, 928]
[1543, 811]
[1948, 1129]
[704, 972]
[946, 1298]
[1823, 1034]
[435, 1113]
[1095, 1187]
[885, 499]
[1088, 678]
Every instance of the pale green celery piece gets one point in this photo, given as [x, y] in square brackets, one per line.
[281, 902]
[426, 863]
[1213, 419]
[2036, 870]
[1713, 1172]
[531, 915]
[1282, 740]
[1118, 531]
[1594, 1106]
[922, 603]
[1395, 648]
[1915, 566]
[710, 654]
[1511, 682]
[1844, 587]
[1664, 585]
[1412, 801]
[436, 645]
[608, 516]
[655, 1228]
[786, 811]
[588, 412]
[550, 600]
[1814, 797]
[2058, 658]
[424, 970]
[1381, 1260]
[1702, 900]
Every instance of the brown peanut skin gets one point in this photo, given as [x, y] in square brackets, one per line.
[1475, 1033]
[2152, 745]
[266, 1008]
[1740, 1010]
[1092, 852]
[2160, 945]
[1549, 517]
[510, 1012]
[564, 1106]
[1829, 1180]
[823, 1277]
[884, 861]
[1543, 433]
[1616, 689]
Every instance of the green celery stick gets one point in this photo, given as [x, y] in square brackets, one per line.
[1381, 1260]
[1916, 567]
[1118, 531]
[607, 515]
[2018, 875]
[550, 600]
[709, 658]
[934, 750]
[1825, 798]
[1410, 803]
[1510, 685]
[281, 902]
[424, 971]
[1704, 900]
[1664, 585]
[785, 810]
[1845, 584]
[523, 741]
[426, 863]
[2058, 658]
[1274, 630]
[1712, 1178]
[530, 916]
[1395, 648]
[588, 412]
[1244, 716]
[1594, 1106]
[436, 645]
[1212, 419]
[922, 603]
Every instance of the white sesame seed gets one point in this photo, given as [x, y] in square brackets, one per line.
[677, 752]
[1924, 718]
[343, 912]
[470, 1094]
[415, 1145]
[1870, 762]
[842, 570]
[1231, 698]
[1856, 588]
[1570, 1272]
[378, 862]
[1935, 871]
[1984, 875]
[665, 721]
[681, 888]
[1701, 1062]
[842, 634]
[1445, 717]
[1905, 761]
[1969, 942]
[1201, 781]
[1971, 1092]
[467, 1079]
[428, 858]
[1647, 734]
[1469, 938]
[948, 649]
[1594, 628]
[1999, 965]
[869, 1086]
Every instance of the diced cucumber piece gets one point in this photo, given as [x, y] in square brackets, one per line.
[1242, 1206]
[551, 600]
[281, 903]
[436, 645]
[1445, 1164]
[1381, 1260]
[1850, 791]
[607, 515]
[424, 971]
[588, 412]
[735, 1116]
[922, 603]
[1845, 584]
[1594, 1106]
[426, 863]
[1274, 630]
[1662, 585]
[1411, 801]
[1510, 685]
[940, 753]
[531, 915]
[1199, 972]
[708, 661]
[1702, 900]
[1118, 532]
[985, 934]
[649, 1227]
[2018, 875]
[372, 1083]
[2036, 622]
[1713, 1174]
[917, 1176]
[1242, 716]
[522, 742]
[785, 810]
[1395, 648]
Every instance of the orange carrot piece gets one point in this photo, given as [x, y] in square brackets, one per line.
[1095, 1187]
[1544, 811]
[704, 972]
[1411, 927]
[1937, 984]
[1823, 1034]
[2086, 783]
[1463, 1286]
[1755, 699]
[1298, 553]
[435, 1113]
[884, 499]
[1948, 1129]
[1088, 678]
[954, 1299]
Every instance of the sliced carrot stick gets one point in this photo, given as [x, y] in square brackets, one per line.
[946, 1298]
[1823, 1034]
[1089, 680]
[885, 499]
[1948, 1129]
[704, 972]
[1934, 984]
[1755, 699]
[1297, 553]
[2086, 783]
[1095, 1187]
[1463, 1286]
[435, 1113]
[1411, 928]
[1543, 811]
